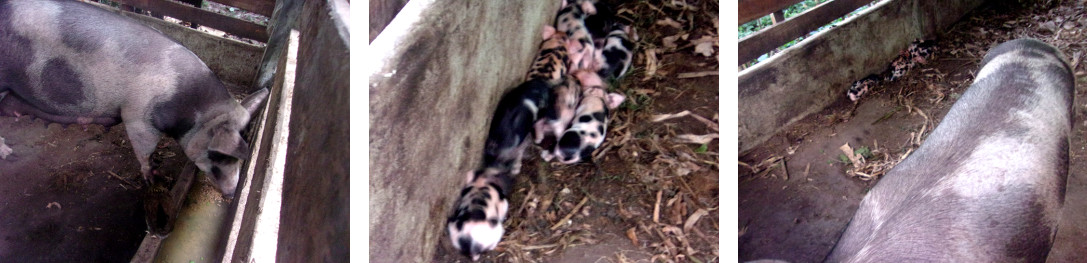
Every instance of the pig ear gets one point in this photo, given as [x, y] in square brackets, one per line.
[229, 144]
[253, 102]
[588, 7]
[548, 31]
[615, 99]
[468, 177]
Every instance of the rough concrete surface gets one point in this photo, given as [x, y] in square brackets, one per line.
[438, 74]
[818, 71]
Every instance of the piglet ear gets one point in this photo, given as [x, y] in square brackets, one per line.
[468, 177]
[253, 102]
[588, 7]
[548, 31]
[615, 99]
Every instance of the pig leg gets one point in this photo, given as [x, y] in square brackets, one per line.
[144, 138]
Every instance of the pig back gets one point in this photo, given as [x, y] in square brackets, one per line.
[70, 58]
[987, 185]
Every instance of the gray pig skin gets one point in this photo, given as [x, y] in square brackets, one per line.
[70, 62]
[988, 183]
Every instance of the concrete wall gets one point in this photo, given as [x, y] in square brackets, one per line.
[437, 72]
[315, 216]
[808, 77]
[381, 13]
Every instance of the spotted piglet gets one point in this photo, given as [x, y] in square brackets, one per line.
[555, 119]
[476, 224]
[591, 122]
[552, 57]
[617, 52]
[512, 124]
[571, 21]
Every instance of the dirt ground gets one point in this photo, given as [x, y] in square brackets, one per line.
[797, 198]
[75, 195]
[606, 212]
[72, 195]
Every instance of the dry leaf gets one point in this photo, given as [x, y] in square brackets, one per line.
[696, 139]
[697, 74]
[650, 63]
[704, 48]
[670, 42]
[633, 236]
[852, 157]
[669, 22]
[661, 117]
[691, 220]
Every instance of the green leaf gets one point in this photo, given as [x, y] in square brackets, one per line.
[863, 151]
[700, 149]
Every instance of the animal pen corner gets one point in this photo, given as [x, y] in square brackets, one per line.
[306, 45]
[816, 72]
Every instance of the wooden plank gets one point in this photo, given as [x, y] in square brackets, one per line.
[754, 9]
[210, 19]
[753, 46]
[261, 7]
[778, 17]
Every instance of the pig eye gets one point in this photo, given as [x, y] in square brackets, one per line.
[584, 118]
[493, 222]
[220, 158]
[216, 173]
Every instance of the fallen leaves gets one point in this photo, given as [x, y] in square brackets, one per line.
[698, 74]
[650, 63]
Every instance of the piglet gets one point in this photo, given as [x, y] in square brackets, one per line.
[476, 224]
[512, 124]
[591, 122]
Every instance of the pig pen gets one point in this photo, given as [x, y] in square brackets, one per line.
[652, 197]
[797, 193]
[75, 194]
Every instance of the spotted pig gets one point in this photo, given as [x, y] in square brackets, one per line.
[70, 62]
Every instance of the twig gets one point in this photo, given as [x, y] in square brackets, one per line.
[785, 168]
[697, 74]
[528, 196]
[571, 214]
[540, 246]
[657, 208]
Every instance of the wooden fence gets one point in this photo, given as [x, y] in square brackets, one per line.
[783, 31]
[233, 26]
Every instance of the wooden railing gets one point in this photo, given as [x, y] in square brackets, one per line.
[783, 31]
[233, 26]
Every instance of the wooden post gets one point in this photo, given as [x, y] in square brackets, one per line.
[314, 223]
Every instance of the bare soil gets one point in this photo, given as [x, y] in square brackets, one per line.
[794, 205]
[72, 195]
[640, 169]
